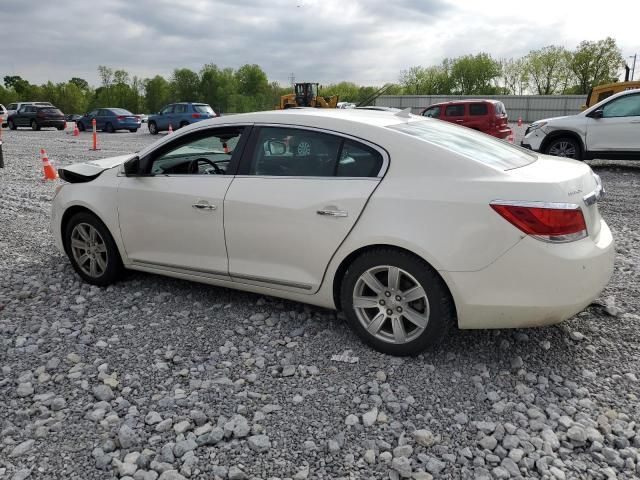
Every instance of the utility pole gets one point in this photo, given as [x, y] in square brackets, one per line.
[633, 66]
[292, 79]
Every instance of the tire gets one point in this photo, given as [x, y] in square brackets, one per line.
[12, 126]
[183, 124]
[109, 128]
[34, 126]
[153, 128]
[432, 311]
[567, 147]
[103, 265]
[133, 130]
[81, 127]
[60, 128]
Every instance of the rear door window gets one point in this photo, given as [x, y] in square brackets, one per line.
[454, 110]
[478, 109]
[180, 108]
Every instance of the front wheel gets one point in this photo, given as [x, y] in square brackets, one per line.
[81, 127]
[153, 128]
[564, 147]
[92, 250]
[12, 126]
[396, 302]
[34, 125]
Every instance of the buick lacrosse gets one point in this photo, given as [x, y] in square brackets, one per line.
[408, 225]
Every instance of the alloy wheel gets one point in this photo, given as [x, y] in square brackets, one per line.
[563, 148]
[89, 250]
[391, 304]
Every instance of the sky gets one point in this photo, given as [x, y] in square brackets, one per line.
[364, 41]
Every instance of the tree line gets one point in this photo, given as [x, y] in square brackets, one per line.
[547, 71]
[550, 70]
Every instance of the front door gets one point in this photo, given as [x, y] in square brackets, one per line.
[296, 197]
[455, 113]
[619, 128]
[172, 216]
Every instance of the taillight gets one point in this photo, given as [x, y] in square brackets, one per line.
[195, 115]
[550, 222]
[121, 117]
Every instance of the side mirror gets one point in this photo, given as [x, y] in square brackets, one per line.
[276, 147]
[132, 167]
[598, 113]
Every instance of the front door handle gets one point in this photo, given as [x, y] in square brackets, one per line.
[332, 212]
[203, 206]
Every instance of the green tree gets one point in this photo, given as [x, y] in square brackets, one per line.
[548, 70]
[185, 84]
[474, 74]
[595, 63]
[156, 93]
[252, 89]
[217, 87]
[81, 83]
[433, 80]
[515, 76]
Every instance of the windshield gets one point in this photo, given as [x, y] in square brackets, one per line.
[475, 145]
[203, 109]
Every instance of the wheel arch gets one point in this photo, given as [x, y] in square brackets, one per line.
[562, 133]
[350, 258]
[74, 209]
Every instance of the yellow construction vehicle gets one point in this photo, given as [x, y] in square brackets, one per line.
[306, 95]
[599, 93]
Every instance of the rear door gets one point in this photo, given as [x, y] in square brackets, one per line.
[298, 194]
[619, 128]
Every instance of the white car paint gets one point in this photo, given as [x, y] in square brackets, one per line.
[431, 200]
[618, 135]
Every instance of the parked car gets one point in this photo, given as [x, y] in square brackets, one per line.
[414, 225]
[609, 129]
[14, 107]
[36, 117]
[73, 117]
[487, 116]
[110, 120]
[3, 116]
[179, 115]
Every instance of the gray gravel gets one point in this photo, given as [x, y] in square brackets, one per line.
[156, 378]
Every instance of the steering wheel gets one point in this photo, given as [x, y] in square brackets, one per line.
[194, 166]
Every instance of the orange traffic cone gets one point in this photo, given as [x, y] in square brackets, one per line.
[49, 171]
[519, 121]
[170, 129]
[76, 132]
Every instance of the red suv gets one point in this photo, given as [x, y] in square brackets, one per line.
[488, 116]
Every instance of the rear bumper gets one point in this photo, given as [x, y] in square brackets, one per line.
[503, 133]
[126, 126]
[534, 284]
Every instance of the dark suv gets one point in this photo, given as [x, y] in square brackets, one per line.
[36, 117]
[488, 116]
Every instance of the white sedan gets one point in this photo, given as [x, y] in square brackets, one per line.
[407, 224]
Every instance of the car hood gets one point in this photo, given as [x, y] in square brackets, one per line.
[86, 171]
[552, 119]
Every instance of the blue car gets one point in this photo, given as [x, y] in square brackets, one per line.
[179, 115]
[110, 120]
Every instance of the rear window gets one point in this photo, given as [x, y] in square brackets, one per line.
[121, 111]
[53, 111]
[500, 109]
[478, 109]
[204, 109]
[474, 145]
[454, 111]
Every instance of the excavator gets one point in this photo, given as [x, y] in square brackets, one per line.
[306, 95]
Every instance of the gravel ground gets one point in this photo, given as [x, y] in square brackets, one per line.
[161, 378]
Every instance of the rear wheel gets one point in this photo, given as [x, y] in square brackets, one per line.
[564, 147]
[396, 302]
[92, 250]
[12, 126]
[60, 128]
[81, 127]
[183, 124]
[153, 128]
[34, 125]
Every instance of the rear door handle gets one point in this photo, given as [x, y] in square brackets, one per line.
[204, 206]
[332, 212]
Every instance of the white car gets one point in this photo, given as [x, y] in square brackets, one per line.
[609, 129]
[407, 224]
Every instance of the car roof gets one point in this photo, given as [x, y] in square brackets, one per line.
[470, 100]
